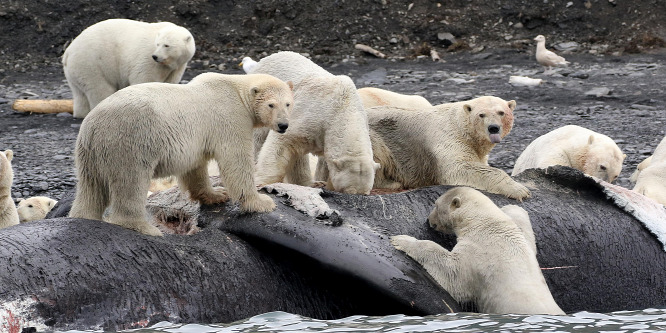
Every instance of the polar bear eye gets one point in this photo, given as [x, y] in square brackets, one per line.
[602, 167]
[288, 104]
[29, 206]
[501, 113]
[166, 45]
[483, 115]
[271, 105]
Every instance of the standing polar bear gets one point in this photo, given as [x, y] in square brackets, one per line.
[8, 214]
[157, 129]
[447, 144]
[493, 263]
[116, 53]
[328, 120]
[651, 180]
[34, 208]
[576, 147]
[371, 96]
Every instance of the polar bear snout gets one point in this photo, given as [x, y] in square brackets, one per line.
[155, 58]
[493, 129]
[282, 127]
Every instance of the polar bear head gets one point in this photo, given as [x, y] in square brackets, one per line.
[34, 208]
[352, 175]
[491, 118]
[603, 159]
[174, 47]
[272, 101]
[6, 173]
[460, 207]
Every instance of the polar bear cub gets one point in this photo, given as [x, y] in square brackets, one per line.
[446, 144]
[156, 130]
[492, 264]
[577, 147]
[116, 53]
[8, 214]
[34, 208]
[651, 181]
[371, 96]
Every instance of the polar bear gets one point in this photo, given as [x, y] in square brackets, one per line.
[155, 130]
[34, 208]
[116, 53]
[371, 96]
[651, 181]
[446, 144]
[8, 214]
[573, 146]
[493, 263]
[328, 120]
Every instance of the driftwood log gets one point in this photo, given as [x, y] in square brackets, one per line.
[69, 273]
[44, 106]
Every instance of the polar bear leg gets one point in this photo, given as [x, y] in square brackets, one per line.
[482, 177]
[236, 175]
[298, 172]
[81, 105]
[91, 199]
[274, 159]
[128, 204]
[98, 93]
[197, 183]
[522, 219]
[322, 169]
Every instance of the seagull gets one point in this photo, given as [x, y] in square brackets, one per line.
[248, 65]
[547, 58]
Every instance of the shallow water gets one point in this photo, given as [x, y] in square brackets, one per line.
[648, 320]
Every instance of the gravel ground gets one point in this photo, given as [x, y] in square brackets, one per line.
[620, 96]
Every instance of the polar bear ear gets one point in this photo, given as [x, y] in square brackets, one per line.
[456, 202]
[467, 108]
[624, 156]
[511, 104]
[9, 154]
[52, 203]
[187, 39]
[377, 166]
[291, 85]
[254, 91]
[590, 140]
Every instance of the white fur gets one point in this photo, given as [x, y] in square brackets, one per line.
[328, 120]
[116, 53]
[8, 214]
[580, 148]
[34, 208]
[170, 129]
[492, 264]
[651, 181]
[377, 97]
[447, 144]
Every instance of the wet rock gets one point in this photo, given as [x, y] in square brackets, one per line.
[446, 38]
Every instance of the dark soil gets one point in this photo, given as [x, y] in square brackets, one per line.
[488, 49]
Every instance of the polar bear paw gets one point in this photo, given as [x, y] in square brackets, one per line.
[216, 196]
[261, 203]
[403, 242]
[141, 226]
[518, 191]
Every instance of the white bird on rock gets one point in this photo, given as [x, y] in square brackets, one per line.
[248, 65]
[547, 58]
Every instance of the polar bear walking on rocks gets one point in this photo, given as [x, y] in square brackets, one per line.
[116, 53]
[493, 263]
[447, 144]
[34, 208]
[8, 214]
[371, 96]
[156, 130]
[651, 181]
[577, 147]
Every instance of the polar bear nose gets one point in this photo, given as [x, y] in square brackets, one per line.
[154, 57]
[493, 129]
[282, 127]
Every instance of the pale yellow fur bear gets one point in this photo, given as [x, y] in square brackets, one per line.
[8, 214]
[580, 148]
[329, 121]
[156, 130]
[651, 181]
[493, 263]
[447, 144]
[371, 96]
[116, 53]
[34, 208]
